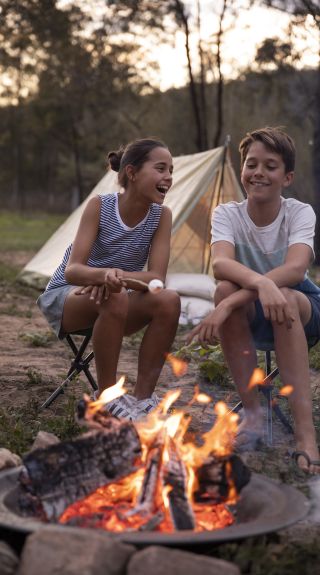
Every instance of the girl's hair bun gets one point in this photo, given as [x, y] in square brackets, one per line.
[114, 159]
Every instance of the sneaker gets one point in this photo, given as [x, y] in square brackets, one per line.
[144, 406]
[122, 407]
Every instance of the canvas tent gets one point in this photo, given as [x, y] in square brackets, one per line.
[201, 181]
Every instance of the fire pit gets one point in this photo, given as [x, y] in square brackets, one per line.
[147, 482]
[264, 506]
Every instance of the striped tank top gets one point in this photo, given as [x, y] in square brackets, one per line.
[116, 245]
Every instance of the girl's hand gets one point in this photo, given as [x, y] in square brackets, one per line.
[97, 293]
[113, 280]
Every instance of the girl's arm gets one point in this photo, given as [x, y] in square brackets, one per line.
[159, 253]
[77, 271]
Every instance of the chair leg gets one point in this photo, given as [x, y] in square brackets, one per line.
[267, 388]
[78, 365]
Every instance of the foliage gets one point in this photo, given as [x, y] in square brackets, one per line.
[38, 339]
[209, 360]
[19, 425]
[314, 357]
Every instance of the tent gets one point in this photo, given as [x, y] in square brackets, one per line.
[201, 181]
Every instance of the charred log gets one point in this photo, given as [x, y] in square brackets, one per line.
[175, 476]
[59, 475]
[217, 474]
[148, 494]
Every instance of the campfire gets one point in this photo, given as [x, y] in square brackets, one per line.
[143, 476]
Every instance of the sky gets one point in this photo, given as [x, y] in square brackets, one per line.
[244, 34]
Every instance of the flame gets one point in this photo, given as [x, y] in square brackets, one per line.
[286, 390]
[179, 366]
[258, 375]
[200, 397]
[117, 506]
[107, 395]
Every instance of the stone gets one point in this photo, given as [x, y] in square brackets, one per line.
[166, 561]
[8, 459]
[9, 560]
[44, 439]
[70, 551]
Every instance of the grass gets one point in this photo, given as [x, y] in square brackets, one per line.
[27, 232]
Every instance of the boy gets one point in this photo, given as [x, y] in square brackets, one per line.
[261, 249]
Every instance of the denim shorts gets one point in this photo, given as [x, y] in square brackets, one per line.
[51, 303]
[262, 331]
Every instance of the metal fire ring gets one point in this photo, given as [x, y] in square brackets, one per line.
[265, 506]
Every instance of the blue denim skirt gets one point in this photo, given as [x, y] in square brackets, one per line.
[51, 303]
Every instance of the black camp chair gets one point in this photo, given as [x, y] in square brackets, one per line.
[267, 388]
[80, 363]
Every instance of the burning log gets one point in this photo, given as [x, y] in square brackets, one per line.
[148, 494]
[175, 476]
[217, 474]
[59, 475]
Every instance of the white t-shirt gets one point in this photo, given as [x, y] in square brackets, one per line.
[263, 248]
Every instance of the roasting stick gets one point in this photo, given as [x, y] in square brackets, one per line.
[153, 286]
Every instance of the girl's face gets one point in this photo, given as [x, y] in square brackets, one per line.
[263, 174]
[154, 178]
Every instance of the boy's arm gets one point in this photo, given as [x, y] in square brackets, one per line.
[254, 285]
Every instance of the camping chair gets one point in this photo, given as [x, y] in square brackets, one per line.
[80, 363]
[266, 387]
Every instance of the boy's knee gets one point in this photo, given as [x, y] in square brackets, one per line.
[292, 296]
[223, 290]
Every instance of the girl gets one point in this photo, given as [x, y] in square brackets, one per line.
[117, 235]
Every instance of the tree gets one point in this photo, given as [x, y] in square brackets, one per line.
[300, 9]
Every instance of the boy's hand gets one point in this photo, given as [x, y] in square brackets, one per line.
[274, 304]
[207, 331]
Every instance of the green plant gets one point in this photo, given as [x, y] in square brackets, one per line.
[19, 426]
[209, 359]
[314, 357]
[34, 376]
[38, 339]
[65, 426]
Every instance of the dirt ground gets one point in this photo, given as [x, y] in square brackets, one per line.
[33, 363]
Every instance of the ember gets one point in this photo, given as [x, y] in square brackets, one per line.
[175, 485]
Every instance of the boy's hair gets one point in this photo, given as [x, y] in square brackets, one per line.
[136, 153]
[276, 140]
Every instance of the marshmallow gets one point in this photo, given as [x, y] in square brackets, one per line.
[155, 286]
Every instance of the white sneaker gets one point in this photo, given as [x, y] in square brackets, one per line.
[122, 407]
[144, 406]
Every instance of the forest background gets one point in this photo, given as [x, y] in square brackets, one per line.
[78, 79]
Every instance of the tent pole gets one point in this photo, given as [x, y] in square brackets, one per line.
[217, 187]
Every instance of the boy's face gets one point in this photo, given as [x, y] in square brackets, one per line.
[263, 174]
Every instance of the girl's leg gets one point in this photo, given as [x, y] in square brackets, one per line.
[108, 320]
[161, 312]
[293, 362]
